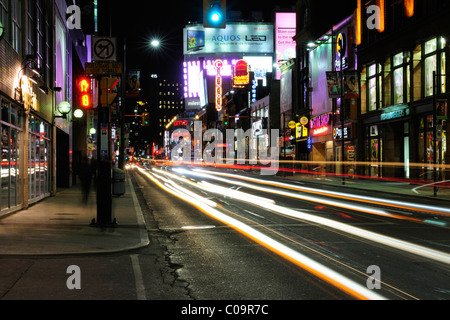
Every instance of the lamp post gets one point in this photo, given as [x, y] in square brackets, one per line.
[55, 89]
[435, 118]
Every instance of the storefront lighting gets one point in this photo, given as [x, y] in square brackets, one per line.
[64, 108]
[92, 131]
[78, 114]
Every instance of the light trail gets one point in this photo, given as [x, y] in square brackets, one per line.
[366, 199]
[375, 237]
[339, 281]
[372, 236]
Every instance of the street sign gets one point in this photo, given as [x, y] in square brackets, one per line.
[292, 124]
[104, 49]
[104, 68]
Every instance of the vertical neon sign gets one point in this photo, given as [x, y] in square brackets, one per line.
[218, 65]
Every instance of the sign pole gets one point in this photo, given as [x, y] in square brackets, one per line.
[104, 179]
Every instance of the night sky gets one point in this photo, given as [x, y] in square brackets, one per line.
[139, 21]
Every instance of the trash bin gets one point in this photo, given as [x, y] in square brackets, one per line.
[118, 182]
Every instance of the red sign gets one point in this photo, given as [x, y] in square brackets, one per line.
[84, 90]
[241, 73]
[180, 123]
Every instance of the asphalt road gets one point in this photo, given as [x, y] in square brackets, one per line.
[227, 239]
[285, 255]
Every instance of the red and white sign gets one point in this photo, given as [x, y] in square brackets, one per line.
[180, 123]
[104, 49]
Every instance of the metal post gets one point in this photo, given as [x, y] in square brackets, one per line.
[434, 136]
[342, 122]
[104, 179]
[122, 110]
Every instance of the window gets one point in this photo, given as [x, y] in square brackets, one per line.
[4, 16]
[16, 28]
[434, 61]
[373, 81]
[387, 83]
[10, 191]
[31, 34]
[401, 78]
[417, 73]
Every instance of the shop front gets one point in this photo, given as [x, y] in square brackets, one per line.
[387, 142]
[11, 179]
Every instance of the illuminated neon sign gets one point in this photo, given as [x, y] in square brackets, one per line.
[84, 89]
[320, 130]
[241, 73]
[180, 123]
[320, 125]
[218, 65]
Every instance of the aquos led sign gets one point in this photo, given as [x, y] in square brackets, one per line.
[244, 38]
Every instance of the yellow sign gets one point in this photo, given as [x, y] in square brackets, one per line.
[304, 121]
[292, 124]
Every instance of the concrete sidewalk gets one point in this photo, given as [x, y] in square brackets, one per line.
[62, 225]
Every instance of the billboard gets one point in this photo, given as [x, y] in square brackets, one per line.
[286, 91]
[133, 86]
[242, 38]
[285, 30]
[320, 63]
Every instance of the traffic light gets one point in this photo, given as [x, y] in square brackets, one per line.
[225, 120]
[214, 14]
[145, 119]
[108, 95]
[84, 93]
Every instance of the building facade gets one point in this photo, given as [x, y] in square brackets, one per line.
[35, 76]
[403, 68]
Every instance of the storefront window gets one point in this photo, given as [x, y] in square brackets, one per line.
[398, 85]
[10, 193]
[38, 170]
[430, 67]
[373, 147]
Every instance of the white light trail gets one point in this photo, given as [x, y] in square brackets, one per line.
[298, 214]
[407, 205]
[329, 275]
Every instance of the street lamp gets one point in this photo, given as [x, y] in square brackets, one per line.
[155, 43]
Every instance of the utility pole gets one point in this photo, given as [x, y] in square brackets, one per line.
[122, 108]
[104, 179]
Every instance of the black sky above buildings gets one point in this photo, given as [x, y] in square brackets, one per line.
[140, 21]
